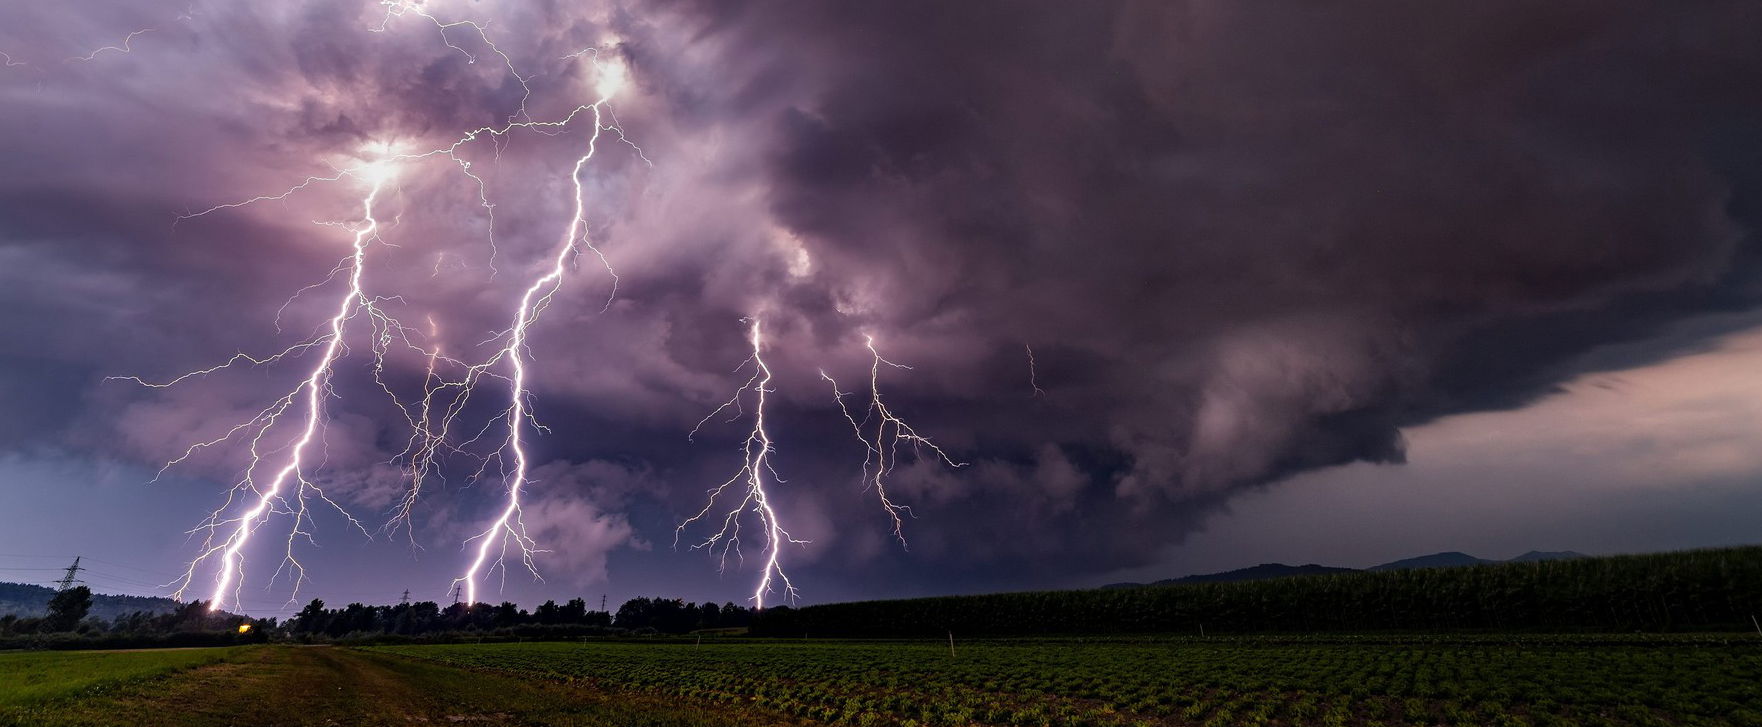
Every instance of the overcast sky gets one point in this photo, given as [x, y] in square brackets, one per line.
[1300, 282]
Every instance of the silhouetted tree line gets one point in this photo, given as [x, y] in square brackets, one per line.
[66, 626]
[644, 615]
[1699, 590]
[191, 624]
[673, 616]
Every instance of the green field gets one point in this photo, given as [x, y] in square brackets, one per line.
[1437, 681]
[1248, 681]
[275, 686]
[32, 678]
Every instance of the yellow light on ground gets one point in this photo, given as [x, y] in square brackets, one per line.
[244, 628]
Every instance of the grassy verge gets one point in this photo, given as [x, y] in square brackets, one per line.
[1382, 681]
[31, 678]
[290, 686]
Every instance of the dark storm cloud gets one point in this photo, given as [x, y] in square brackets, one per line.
[1242, 240]
[1260, 236]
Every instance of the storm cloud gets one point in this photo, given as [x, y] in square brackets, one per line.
[1241, 240]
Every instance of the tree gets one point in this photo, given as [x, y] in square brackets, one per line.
[509, 614]
[636, 613]
[709, 615]
[573, 612]
[420, 617]
[733, 615]
[312, 618]
[669, 615]
[354, 617]
[192, 616]
[67, 608]
[548, 613]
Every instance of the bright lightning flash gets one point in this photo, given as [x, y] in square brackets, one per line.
[882, 433]
[509, 527]
[278, 478]
[226, 537]
[443, 402]
[750, 484]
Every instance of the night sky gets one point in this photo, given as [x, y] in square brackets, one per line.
[1304, 282]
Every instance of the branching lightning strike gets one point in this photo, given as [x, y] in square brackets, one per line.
[537, 297]
[226, 536]
[278, 481]
[882, 433]
[443, 401]
[399, 8]
[750, 483]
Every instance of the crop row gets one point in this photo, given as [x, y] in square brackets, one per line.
[1224, 682]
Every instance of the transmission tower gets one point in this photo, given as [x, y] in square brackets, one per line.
[68, 580]
[405, 601]
[455, 594]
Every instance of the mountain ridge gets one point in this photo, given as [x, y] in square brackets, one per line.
[1267, 571]
[25, 600]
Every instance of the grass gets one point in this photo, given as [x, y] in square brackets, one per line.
[28, 678]
[1511, 680]
[275, 686]
[1374, 681]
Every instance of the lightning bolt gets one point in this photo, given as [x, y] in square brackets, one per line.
[427, 442]
[749, 482]
[509, 526]
[278, 479]
[443, 401]
[1033, 374]
[124, 48]
[399, 8]
[882, 433]
[226, 537]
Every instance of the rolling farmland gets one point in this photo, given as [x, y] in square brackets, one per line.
[1227, 681]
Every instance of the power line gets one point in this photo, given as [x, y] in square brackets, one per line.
[155, 573]
[68, 580]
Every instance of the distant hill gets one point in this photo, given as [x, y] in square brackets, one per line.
[1451, 559]
[1256, 573]
[1697, 590]
[1267, 571]
[1536, 556]
[1261, 572]
[25, 600]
